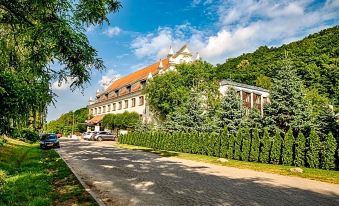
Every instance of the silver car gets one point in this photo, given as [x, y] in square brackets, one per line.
[104, 136]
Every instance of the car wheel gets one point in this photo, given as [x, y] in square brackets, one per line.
[99, 139]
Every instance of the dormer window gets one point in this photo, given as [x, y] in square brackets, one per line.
[116, 93]
[128, 89]
[143, 83]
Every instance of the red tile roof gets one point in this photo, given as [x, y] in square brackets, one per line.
[96, 119]
[137, 76]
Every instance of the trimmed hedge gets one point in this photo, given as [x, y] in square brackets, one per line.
[247, 145]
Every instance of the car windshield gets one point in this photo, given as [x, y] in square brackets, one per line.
[52, 137]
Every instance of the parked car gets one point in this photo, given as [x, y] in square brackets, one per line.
[89, 135]
[49, 141]
[102, 135]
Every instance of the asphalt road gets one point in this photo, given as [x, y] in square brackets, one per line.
[123, 177]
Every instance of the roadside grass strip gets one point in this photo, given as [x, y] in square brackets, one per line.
[329, 176]
[30, 176]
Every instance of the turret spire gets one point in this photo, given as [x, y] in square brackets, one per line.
[171, 52]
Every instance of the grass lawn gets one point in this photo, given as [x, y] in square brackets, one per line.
[314, 174]
[30, 176]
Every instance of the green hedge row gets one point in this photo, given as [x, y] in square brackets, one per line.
[246, 145]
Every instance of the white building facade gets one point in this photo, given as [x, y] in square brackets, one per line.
[125, 94]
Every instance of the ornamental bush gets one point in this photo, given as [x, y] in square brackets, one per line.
[276, 148]
[224, 143]
[245, 144]
[230, 149]
[312, 154]
[265, 147]
[287, 148]
[328, 152]
[255, 145]
[300, 144]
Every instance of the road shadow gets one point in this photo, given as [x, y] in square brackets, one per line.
[152, 180]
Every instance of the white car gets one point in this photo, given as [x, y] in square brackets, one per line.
[89, 135]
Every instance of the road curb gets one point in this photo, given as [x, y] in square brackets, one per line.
[87, 188]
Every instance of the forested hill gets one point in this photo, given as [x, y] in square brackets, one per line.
[316, 58]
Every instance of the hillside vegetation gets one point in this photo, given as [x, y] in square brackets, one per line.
[315, 57]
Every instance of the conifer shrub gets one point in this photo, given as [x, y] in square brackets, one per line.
[329, 147]
[237, 145]
[312, 154]
[255, 145]
[275, 155]
[287, 148]
[265, 147]
[300, 146]
[230, 148]
[245, 144]
[224, 143]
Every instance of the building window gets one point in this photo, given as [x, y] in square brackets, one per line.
[141, 100]
[99, 110]
[96, 111]
[103, 109]
[129, 89]
[133, 102]
[116, 93]
[143, 83]
[120, 105]
[126, 104]
[114, 106]
[258, 100]
[248, 97]
[108, 108]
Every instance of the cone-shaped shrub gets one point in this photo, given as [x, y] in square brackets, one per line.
[328, 152]
[276, 148]
[237, 144]
[255, 145]
[246, 144]
[230, 149]
[300, 144]
[312, 154]
[224, 143]
[287, 148]
[265, 147]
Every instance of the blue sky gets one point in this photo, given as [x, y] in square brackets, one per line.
[143, 30]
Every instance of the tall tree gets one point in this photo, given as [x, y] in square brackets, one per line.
[245, 144]
[35, 36]
[231, 111]
[237, 145]
[288, 107]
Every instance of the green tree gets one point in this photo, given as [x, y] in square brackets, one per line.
[288, 107]
[329, 147]
[264, 82]
[312, 154]
[35, 38]
[224, 143]
[230, 150]
[255, 145]
[287, 148]
[300, 148]
[265, 147]
[246, 144]
[231, 111]
[275, 155]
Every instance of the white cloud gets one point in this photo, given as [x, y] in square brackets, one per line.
[110, 76]
[62, 85]
[242, 26]
[112, 31]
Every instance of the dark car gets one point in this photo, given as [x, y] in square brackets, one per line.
[103, 136]
[49, 141]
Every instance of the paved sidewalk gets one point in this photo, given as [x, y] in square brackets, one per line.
[125, 177]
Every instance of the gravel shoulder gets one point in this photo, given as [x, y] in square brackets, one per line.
[125, 177]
